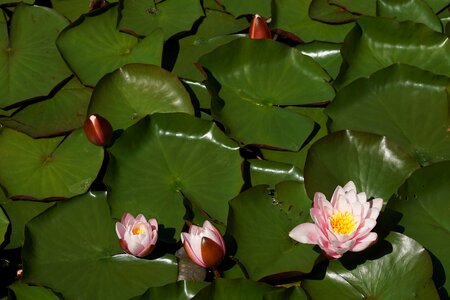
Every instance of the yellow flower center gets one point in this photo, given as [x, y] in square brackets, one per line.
[343, 222]
[139, 229]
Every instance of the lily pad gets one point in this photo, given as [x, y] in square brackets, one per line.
[73, 9]
[423, 204]
[47, 168]
[363, 7]
[293, 16]
[328, 55]
[73, 249]
[255, 209]
[27, 292]
[377, 278]
[376, 43]
[30, 64]
[180, 156]
[416, 10]
[323, 11]
[248, 7]
[180, 290]
[171, 16]
[272, 173]
[136, 90]
[4, 223]
[251, 110]
[62, 113]
[376, 165]
[93, 47]
[391, 102]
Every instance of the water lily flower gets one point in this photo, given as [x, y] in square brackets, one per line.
[98, 130]
[137, 236]
[343, 224]
[259, 29]
[204, 245]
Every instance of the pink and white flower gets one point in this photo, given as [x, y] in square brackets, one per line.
[204, 245]
[137, 236]
[343, 224]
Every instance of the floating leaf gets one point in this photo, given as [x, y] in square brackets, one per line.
[251, 110]
[27, 292]
[45, 168]
[30, 64]
[292, 16]
[328, 55]
[378, 277]
[363, 7]
[73, 248]
[391, 102]
[93, 47]
[423, 204]
[4, 223]
[180, 156]
[136, 90]
[180, 290]
[375, 164]
[255, 209]
[72, 9]
[62, 113]
[171, 16]
[323, 11]
[248, 7]
[376, 43]
[272, 173]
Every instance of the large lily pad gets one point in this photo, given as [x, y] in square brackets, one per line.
[53, 167]
[363, 7]
[378, 277]
[136, 90]
[259, 220]
[259, 76]
[292, 16]
[93, 47]
[248, 7]
[417, 10]
[423, 204]
[73, 249]
[24, 291]
[166, 157]
[62, 113]
[328, 55]
[272, 173]
[4, 223]
[30, 64]
[73, 9]
[376, 165]
[180, 290]
[376, 43]
[391, 102]
[170, 16]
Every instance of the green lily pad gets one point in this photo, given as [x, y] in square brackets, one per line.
[73, 9]
[417, 10]
[376, 165]
[73, 249]
[363, 7]
[293, 16]
[4, 223]
[391, 102]
[248, 7]
[46, 168]
[291, 293]
[164, 158]
[213, 32]
[20, 212]
[378, 277]
[136, 90]
[27, 292]
[171, 16]
[199, 93]
[423, 203]
[258, 220]
[377, 43]
[437, 5]
[30, 64]
[180, 290]
[251, 110]
[272, 173]
[62, 113]
[16, 1]
[327, 55]
[93, 47]
[324, 11]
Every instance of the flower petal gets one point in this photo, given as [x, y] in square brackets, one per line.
[305, 233]
[364, 242]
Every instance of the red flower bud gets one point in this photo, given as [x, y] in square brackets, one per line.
[259, 28]
[98, 130]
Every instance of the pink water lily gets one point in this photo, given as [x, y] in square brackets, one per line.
[137, 236]
[204, 245]
[343, 224]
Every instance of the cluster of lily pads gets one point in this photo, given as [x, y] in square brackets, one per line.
[125, 126]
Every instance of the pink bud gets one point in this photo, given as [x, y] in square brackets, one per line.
[98, 130]
[137, 236]
[204, 245]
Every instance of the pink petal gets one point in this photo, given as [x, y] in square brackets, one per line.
[141, 218]
[337, 194]
[366, 226]
[305, 233]
[127, 218]
[193, 253]
[120, 230]
[134, 246]
[362, 197]
[153, 223]
[365, 242]
[350, 186]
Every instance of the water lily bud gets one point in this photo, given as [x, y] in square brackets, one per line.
[98, 130]
[137, 236]
[259, 28]
[204, 245]
[343, 224]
